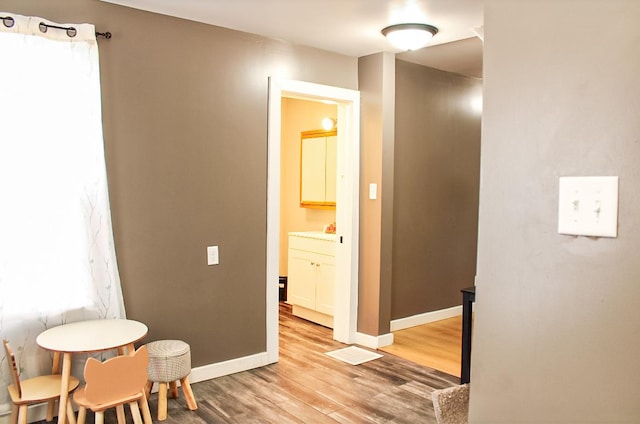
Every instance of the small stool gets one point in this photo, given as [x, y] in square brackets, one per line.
[169, 361]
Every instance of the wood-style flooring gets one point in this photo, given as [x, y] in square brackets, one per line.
[436, 345]
[307, 386]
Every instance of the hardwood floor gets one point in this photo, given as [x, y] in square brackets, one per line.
[307, 386]
[436, 345]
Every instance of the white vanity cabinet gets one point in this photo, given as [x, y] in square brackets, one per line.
[311, 276]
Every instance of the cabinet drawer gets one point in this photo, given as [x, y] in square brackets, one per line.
[323, 247]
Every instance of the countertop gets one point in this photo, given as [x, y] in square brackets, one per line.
[314, 235]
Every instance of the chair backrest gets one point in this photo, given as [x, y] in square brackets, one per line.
[116, 378]
[11, 361]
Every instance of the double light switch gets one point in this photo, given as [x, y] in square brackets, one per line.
[588, 206]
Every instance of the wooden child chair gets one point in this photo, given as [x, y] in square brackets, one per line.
[35, 390]
[114, 383]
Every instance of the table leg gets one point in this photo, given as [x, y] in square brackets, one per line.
[56, 363]
[129, 349]
[54, 370]
[64, 388]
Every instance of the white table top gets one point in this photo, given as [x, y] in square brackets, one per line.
[92, 336]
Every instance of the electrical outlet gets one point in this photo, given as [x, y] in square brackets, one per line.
[213, 257]
[373, 191]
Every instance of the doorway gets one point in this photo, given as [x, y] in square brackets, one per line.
[347, 200]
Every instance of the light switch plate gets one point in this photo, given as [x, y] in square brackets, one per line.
[212, 255]
[373, 191]
[588, 206]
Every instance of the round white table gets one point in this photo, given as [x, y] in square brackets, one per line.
[86, 337]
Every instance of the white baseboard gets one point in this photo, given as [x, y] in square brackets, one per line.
[374, 342]
[5, 415]
[427, 317]
[232, 366]
[36, 413]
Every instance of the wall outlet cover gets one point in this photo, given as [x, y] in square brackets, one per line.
[213, 257]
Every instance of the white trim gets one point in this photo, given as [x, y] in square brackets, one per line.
[232, 366]
[345, 316]
[347, 210]
[35, 413]
[273, 215]
[427, 317]
[374, 342]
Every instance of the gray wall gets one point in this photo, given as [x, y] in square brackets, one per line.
[376, 81]
[436, 184]
[185, 124]
[557, 332]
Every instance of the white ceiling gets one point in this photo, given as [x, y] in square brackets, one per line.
[349, 27]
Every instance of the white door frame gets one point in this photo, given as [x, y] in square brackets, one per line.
[347, 200]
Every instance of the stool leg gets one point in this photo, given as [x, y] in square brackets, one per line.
[162, 402]
[173, 389]
[188, 393]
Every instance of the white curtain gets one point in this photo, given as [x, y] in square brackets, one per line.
[57, 257]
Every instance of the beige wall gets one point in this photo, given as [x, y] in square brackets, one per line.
[297, 116]
[185, 124]
[556, 324]
[437, 177]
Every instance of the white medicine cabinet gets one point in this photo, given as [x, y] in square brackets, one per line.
[318, 155]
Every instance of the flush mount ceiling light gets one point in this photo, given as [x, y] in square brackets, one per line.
[409, 36]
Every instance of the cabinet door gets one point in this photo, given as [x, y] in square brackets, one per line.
[312, 178]
[301, 282]
[318, 156]
[325, 282]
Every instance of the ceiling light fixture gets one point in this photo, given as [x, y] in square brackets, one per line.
[409, 36]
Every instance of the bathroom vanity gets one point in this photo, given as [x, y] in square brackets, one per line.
[311, 276]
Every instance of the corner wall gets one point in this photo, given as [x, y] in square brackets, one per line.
[376, 80]
[436, 185]
[556, 335]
